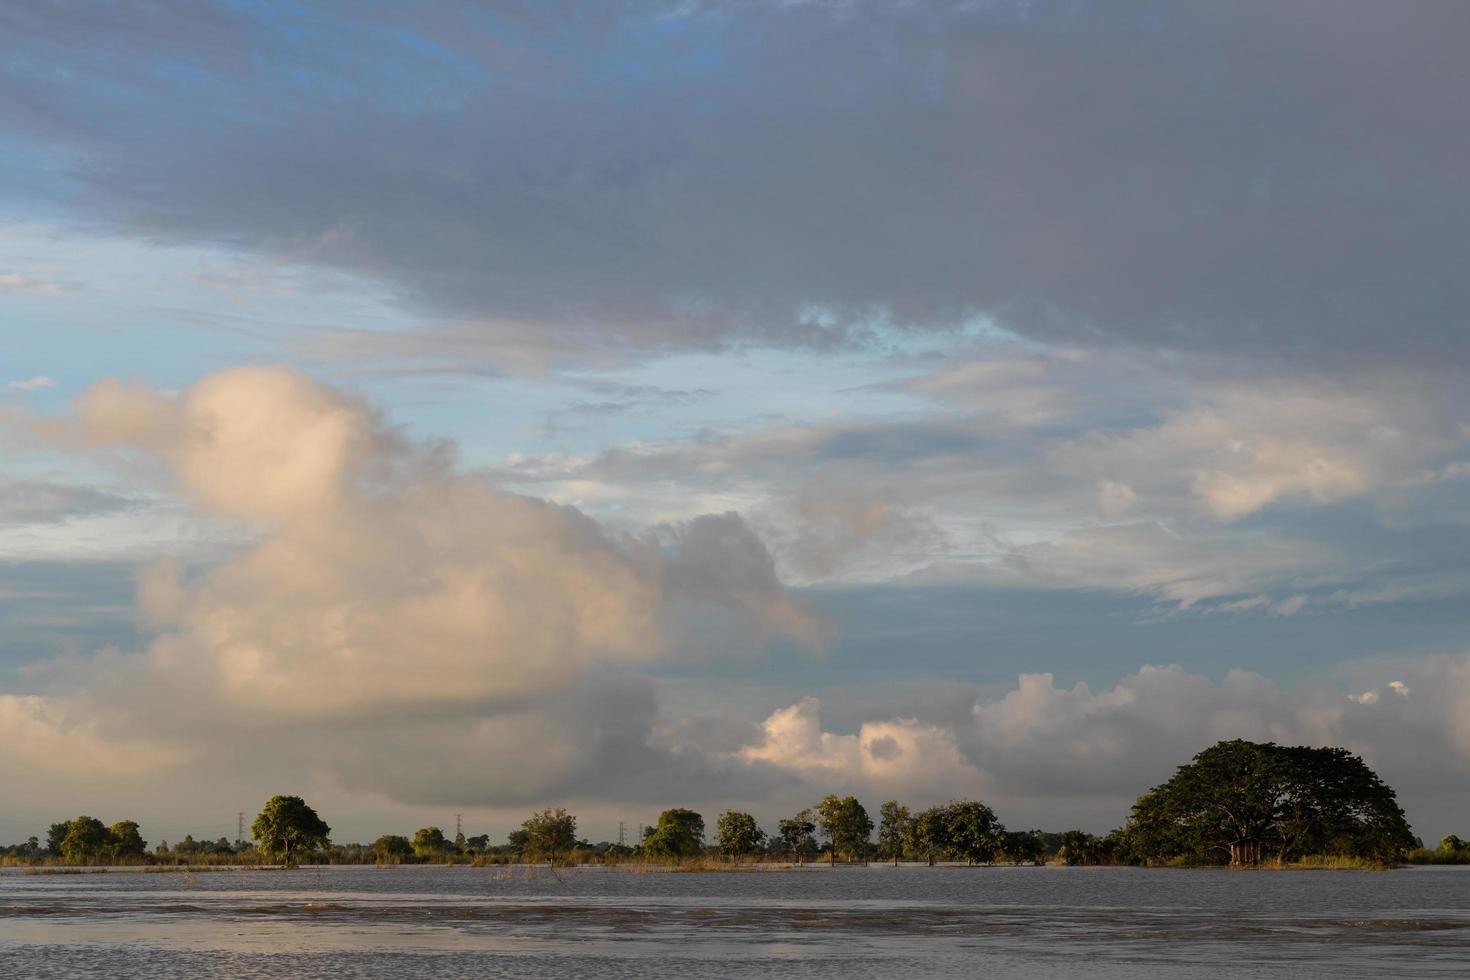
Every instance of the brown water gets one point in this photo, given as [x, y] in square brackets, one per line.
[850, 923]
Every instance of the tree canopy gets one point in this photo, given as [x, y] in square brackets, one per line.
[429, 842]
[392, 848]
[797, 835]
[738, 834]
[846, 825]
[895, 828]
[680, 833]
[86, 839]
[549, 832]
[287, 828]
[1241, 802]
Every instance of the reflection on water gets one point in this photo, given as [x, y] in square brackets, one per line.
[852, 923]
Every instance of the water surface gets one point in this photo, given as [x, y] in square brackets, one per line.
[851, 923]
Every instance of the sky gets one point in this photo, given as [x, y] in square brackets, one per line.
[461, 409]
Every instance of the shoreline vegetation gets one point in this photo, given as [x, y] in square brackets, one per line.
[1237, 804]
[712, 866]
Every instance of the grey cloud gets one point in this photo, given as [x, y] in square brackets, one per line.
[604, 741]
[1248, 176]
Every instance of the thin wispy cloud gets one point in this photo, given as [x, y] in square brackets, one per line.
[36, 383]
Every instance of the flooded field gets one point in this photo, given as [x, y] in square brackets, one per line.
[850, 923]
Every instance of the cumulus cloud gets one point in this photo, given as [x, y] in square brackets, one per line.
[382, 585]
[1045, 752]
[384, 575]
[897, 755]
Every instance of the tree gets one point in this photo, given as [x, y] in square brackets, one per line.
[55, 834]
[429, 842]
[798, 836]
[1241, 802]
[1079, 848]
[126, 841]
[392, 849]
[738, 834]
[931, 833]
[1022, 846]
[549, 833]
[287, 827]
[680, 833]
[846, 826]
[895, 828]
[974, 832]
[86, 840]
[1335, 804]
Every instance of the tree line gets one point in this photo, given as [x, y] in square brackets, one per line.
[1237, 802]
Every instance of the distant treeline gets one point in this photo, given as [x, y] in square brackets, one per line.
[1237, 802]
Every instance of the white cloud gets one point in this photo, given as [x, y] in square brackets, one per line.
[897, 755]
[32, 384]
[1289, 606]
[1046, 753]
[383, 579]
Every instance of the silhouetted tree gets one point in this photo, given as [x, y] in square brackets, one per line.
[1241, 801]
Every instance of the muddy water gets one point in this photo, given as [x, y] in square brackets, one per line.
[849, 923]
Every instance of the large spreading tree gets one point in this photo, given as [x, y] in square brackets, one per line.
[1243, 802]
[287, 828]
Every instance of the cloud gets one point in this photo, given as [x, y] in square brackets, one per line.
[1041, 752]
[41, 739]
[39, 502]
[1191, 480]
[385, 577]
[687, 176]
[17, 284]
[386, 602]
[899, 755]
[32, 384]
